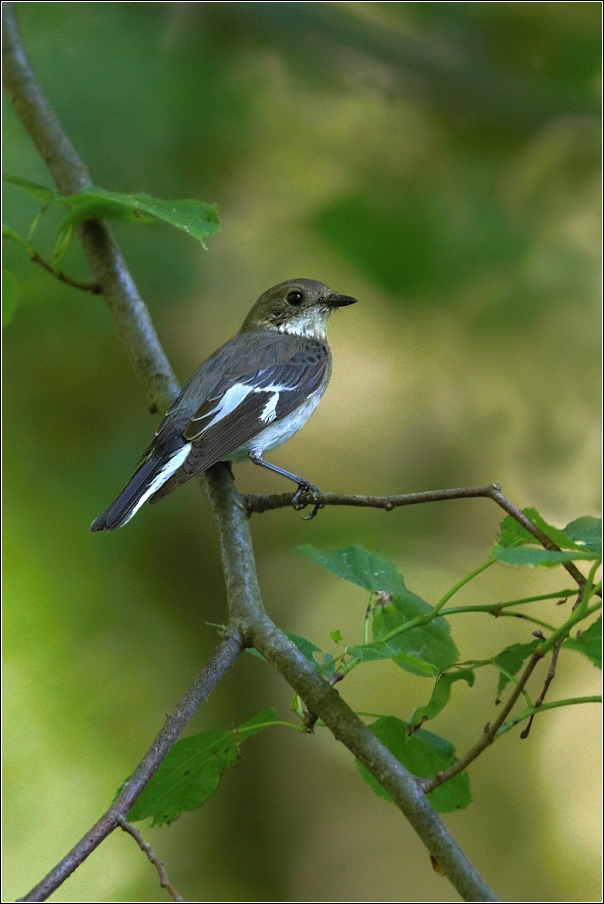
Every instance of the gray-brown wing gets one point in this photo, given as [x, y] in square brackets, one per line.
[240, 407]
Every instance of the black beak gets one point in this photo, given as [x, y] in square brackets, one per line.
[340, 301]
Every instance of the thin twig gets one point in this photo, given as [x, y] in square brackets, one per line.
[498, 497]
[10, 234]
[548, 680]
[257, 504]
[491, 731]
[153, 858]
[92, 287]
[488, 736]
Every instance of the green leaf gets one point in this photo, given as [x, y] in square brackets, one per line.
[586, 532]
[511, 533]
[440, 696]
[191, 771]
[10, 296]
[588, 642]
[360, 566]
[511, 660]
[189, 775]
[258, 722]
[336, 636]
[308, 650]
[194, 217]
[306, 647]
[521, 555]
[423, 754]
[423, 650]
[39, 192]
[394, 649]
[430, 643]
[63, 239]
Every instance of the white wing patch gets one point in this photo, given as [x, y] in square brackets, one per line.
[168, 469]
[269, 411]
[233, 397]
[227, 403]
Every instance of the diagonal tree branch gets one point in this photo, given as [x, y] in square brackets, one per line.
[249, 623]
[217, 666]
[319, 696]
[71, 175]
[489, 734]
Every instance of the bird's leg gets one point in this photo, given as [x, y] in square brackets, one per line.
[303, 485]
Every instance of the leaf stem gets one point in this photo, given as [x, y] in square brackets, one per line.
[493, 609]
[561, 594]
[534, 710]
[459, 585]
[420, 620]
[253, 729]
[491, 731]
[581, 612]
[589, 588]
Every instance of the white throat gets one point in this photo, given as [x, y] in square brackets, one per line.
[311, 325]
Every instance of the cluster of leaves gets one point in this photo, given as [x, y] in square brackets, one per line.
[416, 637]
[197, 218]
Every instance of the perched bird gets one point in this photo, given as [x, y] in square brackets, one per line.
[249, 397]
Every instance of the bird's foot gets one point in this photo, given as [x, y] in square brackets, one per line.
[301, 499]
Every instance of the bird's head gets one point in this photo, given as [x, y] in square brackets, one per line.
[299, 307]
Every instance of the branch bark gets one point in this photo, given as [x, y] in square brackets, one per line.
[71, 175]
[248, 620]
[319, 696]
[265, 503]
[219, 663]
[148, 851]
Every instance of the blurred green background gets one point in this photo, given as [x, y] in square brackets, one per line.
[440, 162]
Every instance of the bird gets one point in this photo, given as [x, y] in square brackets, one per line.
[253, 394]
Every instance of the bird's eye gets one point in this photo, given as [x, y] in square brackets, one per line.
[295, 298]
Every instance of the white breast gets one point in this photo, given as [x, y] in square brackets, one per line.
[280, 431]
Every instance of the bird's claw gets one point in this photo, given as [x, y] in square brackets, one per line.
[299, 501]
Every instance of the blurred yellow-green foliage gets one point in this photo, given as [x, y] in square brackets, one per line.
[440, 162]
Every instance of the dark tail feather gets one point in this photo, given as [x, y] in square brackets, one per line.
[121, 510]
